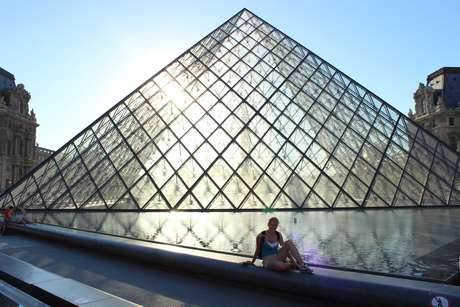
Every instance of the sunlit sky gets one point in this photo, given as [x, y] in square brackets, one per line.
[79, 58]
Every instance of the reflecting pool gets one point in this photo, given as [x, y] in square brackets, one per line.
[415, 242]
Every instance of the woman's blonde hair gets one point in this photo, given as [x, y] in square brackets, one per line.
[272, 219]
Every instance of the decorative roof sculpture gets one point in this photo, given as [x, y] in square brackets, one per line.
[246, 119]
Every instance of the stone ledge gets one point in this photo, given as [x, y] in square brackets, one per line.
[357, 289]
[53, 289]
[17, 296]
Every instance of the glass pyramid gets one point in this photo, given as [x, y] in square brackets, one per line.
[246, 119]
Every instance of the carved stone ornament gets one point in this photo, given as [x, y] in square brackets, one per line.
[410, 114]
[420, 91]
[423, 90]
[20, 96]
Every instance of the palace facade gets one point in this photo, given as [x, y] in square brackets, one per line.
[18, 152]
[437, 105]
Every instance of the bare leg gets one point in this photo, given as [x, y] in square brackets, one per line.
[27, 220]
[278, 265]
[287, 247]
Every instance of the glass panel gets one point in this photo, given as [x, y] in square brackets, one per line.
[411, 189]
[74, 172]
[120, 156]
[236, 190]
[396, 154]
[344, 201]
[64, 202]
[263, 155]
[249, 172]
[345, 154]
[220, 172]
[205, 190]
[327, 140]
[417, 170]
[355, 188]
[110, 140]
[314, 201]
[363, 170]
[29, 188]
[143, 191]
[131, 172]
[267, 190]
[297, 190]
[384, 189]
[112, 191]
[102, 172]
[161, 172]
[82, 191]
[336, 171]
[285, 202]
[439, 188]
[279, 171]
[52, 191]
[66, 156]
[377, 140]
[422, 155]
[391, 171]
[326, 189]
[307, 171]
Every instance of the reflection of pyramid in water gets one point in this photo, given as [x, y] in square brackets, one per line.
[246, 119]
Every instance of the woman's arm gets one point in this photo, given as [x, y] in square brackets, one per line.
[22, 210]
[257, 252]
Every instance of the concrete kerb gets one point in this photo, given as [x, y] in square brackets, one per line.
[354, 288]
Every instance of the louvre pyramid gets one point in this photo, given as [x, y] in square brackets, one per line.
[246, 119]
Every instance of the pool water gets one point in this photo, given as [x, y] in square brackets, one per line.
[414, 242]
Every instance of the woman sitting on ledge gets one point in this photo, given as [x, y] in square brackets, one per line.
[22, 218]
[274, 251]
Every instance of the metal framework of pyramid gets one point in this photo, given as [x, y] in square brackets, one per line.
[246, 119]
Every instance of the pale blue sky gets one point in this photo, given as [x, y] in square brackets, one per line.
[79, 58]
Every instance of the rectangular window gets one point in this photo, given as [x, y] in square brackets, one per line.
[452, 142]
[451, 121]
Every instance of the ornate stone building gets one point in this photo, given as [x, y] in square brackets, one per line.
[437, 105]
[18, 153]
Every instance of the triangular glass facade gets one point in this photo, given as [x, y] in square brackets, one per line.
[246, 119]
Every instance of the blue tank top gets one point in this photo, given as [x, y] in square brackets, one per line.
[267, 250]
